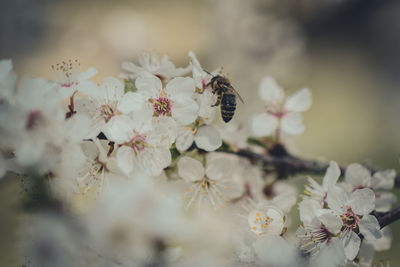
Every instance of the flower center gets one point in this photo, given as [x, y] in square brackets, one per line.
[264, 222]
[276, 112]
[108, 111]
[138, 143]
[161, 106]
[66, 72]
[350, 219]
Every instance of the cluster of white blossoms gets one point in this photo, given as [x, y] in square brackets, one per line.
[337, 217]
[151, 178]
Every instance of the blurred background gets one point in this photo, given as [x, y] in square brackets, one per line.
[345, 51]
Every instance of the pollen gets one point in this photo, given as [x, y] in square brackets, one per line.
[161, 106]
[189, 189]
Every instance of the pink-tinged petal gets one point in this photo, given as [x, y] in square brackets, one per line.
[383, 179]
[369, 227]
[180, 86]
[270, 92]
[125, 159]
[336, 199]
[263, 124]
[190, 169]
[331, 176]
[292, 123]
[148, 84]
[362, 201]
[357, 175]
[208, 138]
[299, 101]
[351, 243]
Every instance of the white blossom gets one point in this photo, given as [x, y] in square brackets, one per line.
[358, 177]
[70, 78]
[281, 112]
[319, 192]
[162, 67]
[210, 186]
[354, 210]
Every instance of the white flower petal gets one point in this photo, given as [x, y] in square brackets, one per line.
[125, 159]
[185, 139]
[383, 179]
[270, 92]
[292, 123]
[263, 124]
[132, 102]
[384, 201]
[180, 86]
[351, 243]
[370, 228]
[118, 129]
[148, 84]
[299, 101]
[331, 176]
[308, 210]
[156, 160]
[332, 222]
[357, 175]
[112, 88]
[219, 168]
[208, 138]
[336, 199]
[185, 110]
[362, 201]
[190, 169]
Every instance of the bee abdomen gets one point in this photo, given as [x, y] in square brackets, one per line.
[228, 107]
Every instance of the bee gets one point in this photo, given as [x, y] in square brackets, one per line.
[221, 86]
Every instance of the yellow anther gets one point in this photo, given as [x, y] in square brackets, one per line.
[228, 187]
[188, 128]
[189, 189]
[254, 228]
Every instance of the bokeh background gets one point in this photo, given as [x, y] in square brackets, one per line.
[345, 51]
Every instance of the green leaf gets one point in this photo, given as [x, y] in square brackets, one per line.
[254, 141]
[174, 153]
[129, 86]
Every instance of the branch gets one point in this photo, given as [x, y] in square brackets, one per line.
[386, 218]
[287, 164]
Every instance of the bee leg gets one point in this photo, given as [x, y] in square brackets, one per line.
[218, 101]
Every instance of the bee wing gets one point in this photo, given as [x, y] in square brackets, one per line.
[236, 93]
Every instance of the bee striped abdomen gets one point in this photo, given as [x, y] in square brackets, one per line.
[228, 106]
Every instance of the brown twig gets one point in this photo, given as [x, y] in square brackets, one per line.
[386, 218]
[287, 164]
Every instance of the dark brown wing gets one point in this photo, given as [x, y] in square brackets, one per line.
[236, 93]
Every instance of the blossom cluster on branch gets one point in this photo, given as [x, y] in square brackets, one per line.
[138, 172]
